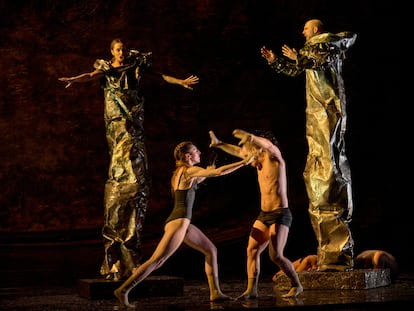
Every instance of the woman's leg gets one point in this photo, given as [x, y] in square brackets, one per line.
[174, 233]
[196, 239]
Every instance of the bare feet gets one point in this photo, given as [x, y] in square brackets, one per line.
[247, 296]
[123, 298]
[214, 140]
[220, 297]
[293, 292]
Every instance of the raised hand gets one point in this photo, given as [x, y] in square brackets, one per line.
[191, 80]
[67, 80]
[267, 54]
[289, 52]
[243, 136]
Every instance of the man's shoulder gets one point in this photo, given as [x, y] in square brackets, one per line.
[343, 39]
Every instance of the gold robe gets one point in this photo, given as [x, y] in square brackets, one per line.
[128, 184]
[327, 173]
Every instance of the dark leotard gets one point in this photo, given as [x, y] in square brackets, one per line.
[282, 216]
[183, 203]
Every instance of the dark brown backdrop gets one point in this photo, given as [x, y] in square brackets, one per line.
[53, 155]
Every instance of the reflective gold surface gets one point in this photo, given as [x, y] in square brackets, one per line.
[128, 184]
[327, 172]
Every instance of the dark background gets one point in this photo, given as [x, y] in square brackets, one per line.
[54, 157]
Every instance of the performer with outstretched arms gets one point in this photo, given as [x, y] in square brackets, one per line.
[128, 184]
[327, 173]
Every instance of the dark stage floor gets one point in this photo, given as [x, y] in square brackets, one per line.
[45, 276]
[397, 296]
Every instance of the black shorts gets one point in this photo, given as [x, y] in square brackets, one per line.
[281, 216]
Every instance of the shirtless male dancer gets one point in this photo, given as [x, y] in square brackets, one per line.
[271, 228]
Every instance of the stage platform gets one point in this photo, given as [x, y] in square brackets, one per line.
[195, 297]
[50, 276]
[355, 279]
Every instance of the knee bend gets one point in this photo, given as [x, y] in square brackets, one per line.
[211, 252]
[277, 259]
[251, 252]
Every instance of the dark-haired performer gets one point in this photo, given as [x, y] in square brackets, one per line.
[377, 259]
[128, 184]
[271, 228]
[327, 173]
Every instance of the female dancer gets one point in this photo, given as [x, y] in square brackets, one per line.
[178, 227]
[128, 185]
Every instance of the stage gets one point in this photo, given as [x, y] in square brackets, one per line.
[46, 276]
[397, 296]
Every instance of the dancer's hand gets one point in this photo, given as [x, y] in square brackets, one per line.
[243, 136]
[191, 80]
[67, 80]
[289, 53]
[268, 54]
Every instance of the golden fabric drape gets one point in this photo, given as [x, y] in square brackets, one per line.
[327, 173]
[128, 184]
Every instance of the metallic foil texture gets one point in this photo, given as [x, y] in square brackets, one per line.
[327, 173]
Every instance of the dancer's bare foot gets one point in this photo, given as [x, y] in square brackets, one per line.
[123, 298]
[214, 140]
[293, 292]
[247, 295]
[220, 297]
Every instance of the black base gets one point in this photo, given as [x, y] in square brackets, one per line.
[153, 286]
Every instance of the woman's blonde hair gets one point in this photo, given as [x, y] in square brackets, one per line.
[180, 151]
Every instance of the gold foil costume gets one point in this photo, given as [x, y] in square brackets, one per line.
[327, 174]
[128, 184]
